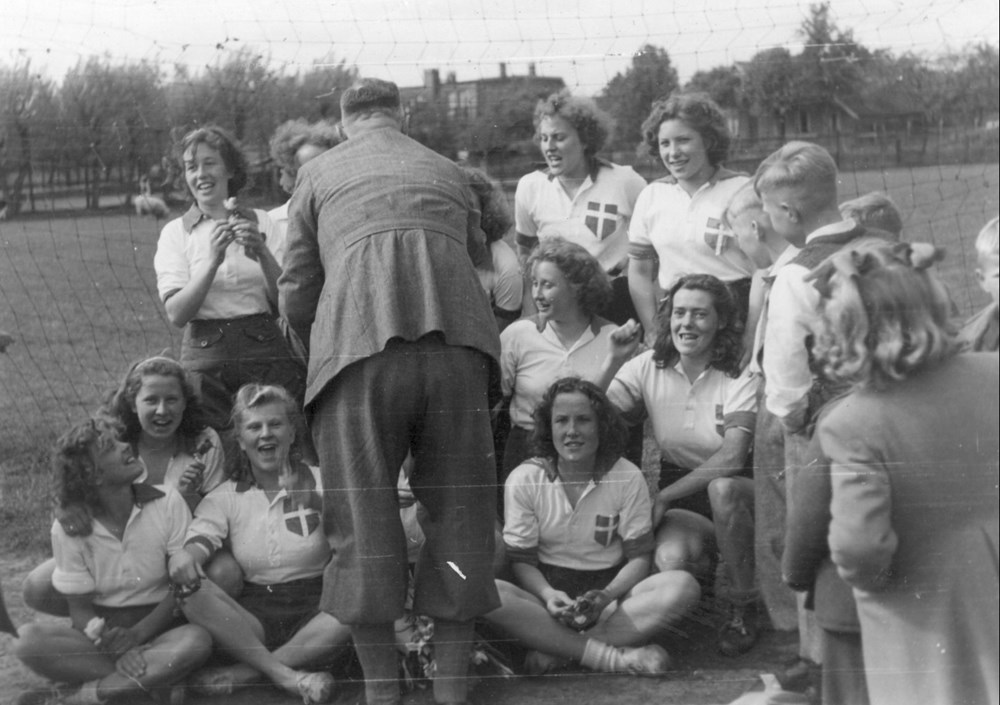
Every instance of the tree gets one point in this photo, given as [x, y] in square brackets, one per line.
[25, 97]
[629, 95]
[770, 85]
[831, 63]
[315, 94]
[722, 84]
[507, 119]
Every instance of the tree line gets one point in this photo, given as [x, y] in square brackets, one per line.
[107, 124]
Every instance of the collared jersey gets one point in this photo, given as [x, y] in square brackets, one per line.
[213, 459]
[503, 283]
[273, 541]
[531, 360]
[279, 218]
[239, 287]
[130, 572]
[612, 520]
[685, 233]
[689, 419]
[596, 218]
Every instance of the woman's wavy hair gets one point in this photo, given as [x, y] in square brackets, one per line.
[229, 149]
[592, 124]
[612, 431]
[727, 346]
[697, 111]
[292, 135]
[584, 274]
[74, 470]
[496, 218]
[120, 404]
[885, 315]
[301, 483]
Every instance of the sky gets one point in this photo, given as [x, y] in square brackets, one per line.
[586, 42]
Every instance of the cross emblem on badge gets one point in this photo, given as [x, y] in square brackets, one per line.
[602, 218]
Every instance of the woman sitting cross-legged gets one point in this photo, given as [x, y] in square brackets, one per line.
[703, 411]
[579, 537]
[123, 637]
[272, 518]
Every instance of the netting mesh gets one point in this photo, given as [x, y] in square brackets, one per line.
[91, 93]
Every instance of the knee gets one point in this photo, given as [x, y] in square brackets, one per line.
[722, 494]
[194, 646]
[671, 556]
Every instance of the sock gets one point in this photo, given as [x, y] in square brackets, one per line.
[598, 656]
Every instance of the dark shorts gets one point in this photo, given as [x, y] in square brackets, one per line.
[698, 502]
[282, 609]
[576, 582]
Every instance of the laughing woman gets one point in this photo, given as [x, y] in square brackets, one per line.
[579, 197]
[216, 272]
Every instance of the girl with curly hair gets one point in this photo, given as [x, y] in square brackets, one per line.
[677, 225]
[913, 452]
[123, 638]
[566, 336]
[580, 540]
[578, 196]
[703, 412]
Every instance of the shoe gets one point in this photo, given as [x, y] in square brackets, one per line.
[740, 632]
[212, 681]
[651, 660]
[537, 663]
[315, 687]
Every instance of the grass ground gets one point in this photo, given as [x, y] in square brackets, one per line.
[79, 296]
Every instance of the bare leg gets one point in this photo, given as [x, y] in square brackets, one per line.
[237, 632]
[685, 541]
[39, 594]
[649, 610]
[732, 511]
[524, 617]
[224, 571]
[63, 654]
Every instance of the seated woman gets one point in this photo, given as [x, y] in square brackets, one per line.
[580, 541]
[160, 417]
[271, 517]
[703, 411]
[123, 637]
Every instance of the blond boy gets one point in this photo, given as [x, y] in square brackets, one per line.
[980, 332]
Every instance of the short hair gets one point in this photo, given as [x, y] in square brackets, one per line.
[988, 239]
[120, 404]
[582, 271]
[370, 95]
[612, 432]
[74, 471]
[697, 111]
[592, 124]
[745, 199]
[874, 210]
[228, 148]
[805, 167]
[292, 135]
[253, 396]
[885, 315]
[496, 219]
[727, 346]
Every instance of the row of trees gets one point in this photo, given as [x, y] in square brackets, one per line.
[112, 122]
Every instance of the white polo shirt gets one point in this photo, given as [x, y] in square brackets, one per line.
[214, 473]
[130, 572]
[596, 218]
[689, 419]
[685, 233]
[503, 284]
[273, 541]
[239, 287]
[612, 520]
[530, 361]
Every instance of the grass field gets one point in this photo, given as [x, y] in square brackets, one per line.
[78, 295]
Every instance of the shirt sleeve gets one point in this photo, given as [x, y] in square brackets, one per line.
[71, 576]
[210, 525]
[275, 238]
[178, 518]
[520, 530]
[302, 278]
[508, 358]
[173, 271]
[508, 287]
[640, 246]
[740, 404]
[214, 460]
[524, 217]
[626, 391]
[792, 307]
[862, 539]
[636, 524]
